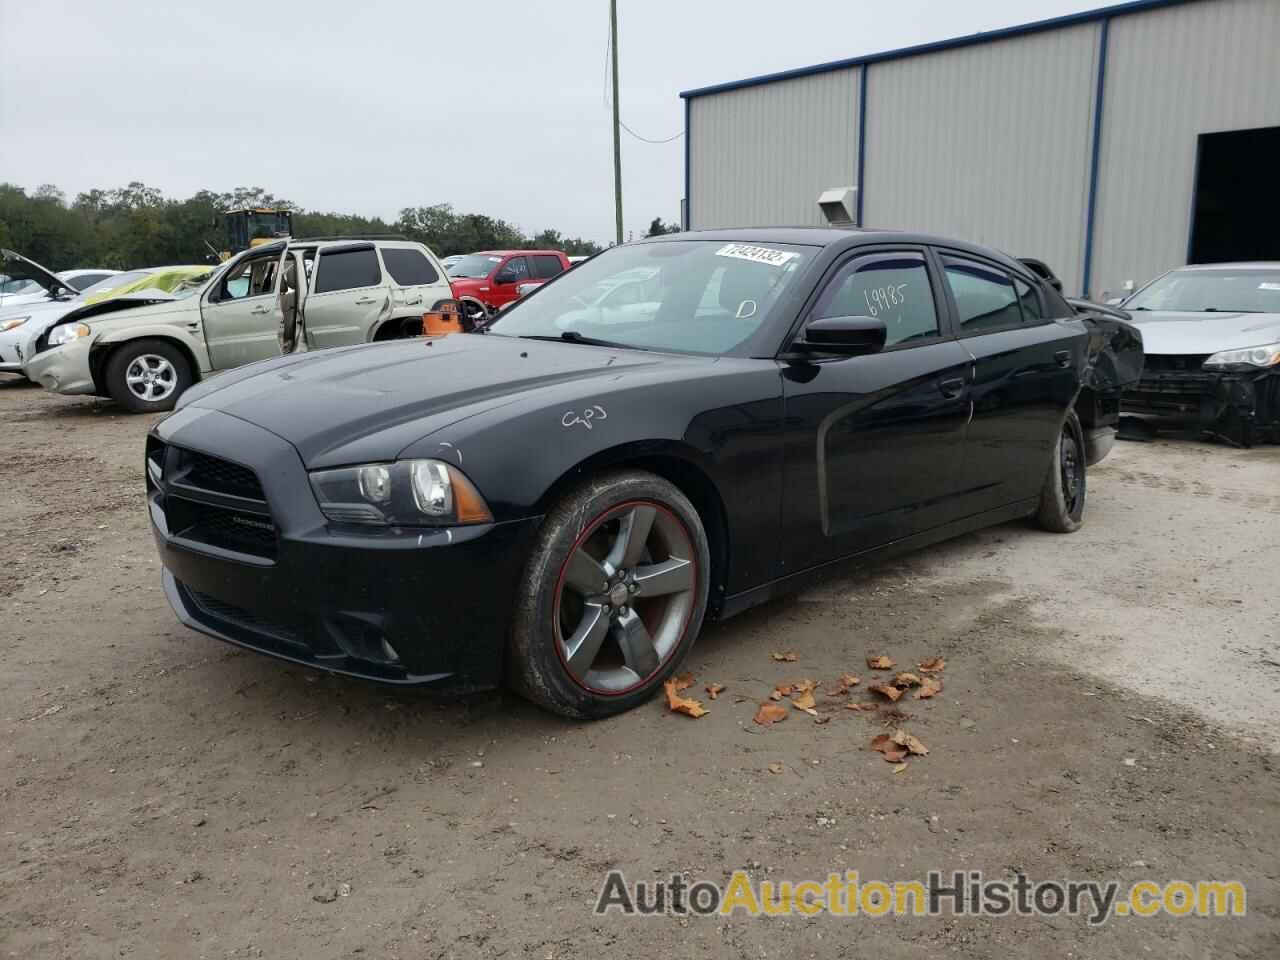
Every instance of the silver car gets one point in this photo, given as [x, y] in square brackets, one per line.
[1211, 334]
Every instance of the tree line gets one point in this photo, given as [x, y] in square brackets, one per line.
[137, 226]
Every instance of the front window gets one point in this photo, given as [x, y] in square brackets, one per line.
[474, 266]
[685, 296]
[1220, 290]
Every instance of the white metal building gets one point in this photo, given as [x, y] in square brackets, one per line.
[1113, 144]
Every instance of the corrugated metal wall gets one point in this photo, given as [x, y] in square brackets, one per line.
[1173, 74]
[989, 143]
[761, 155]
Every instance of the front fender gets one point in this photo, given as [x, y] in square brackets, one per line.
[192, 344]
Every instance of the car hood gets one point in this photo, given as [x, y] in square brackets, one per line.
[1166, 332]
[369, 402]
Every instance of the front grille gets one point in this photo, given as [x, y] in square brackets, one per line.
[237, 617]
[220, 476]
[1173, 363]
[209, 500]
[220, 526]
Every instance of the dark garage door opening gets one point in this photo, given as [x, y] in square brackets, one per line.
[1237, 205]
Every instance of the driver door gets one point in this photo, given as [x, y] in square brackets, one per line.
[242, 312]
[874, 444]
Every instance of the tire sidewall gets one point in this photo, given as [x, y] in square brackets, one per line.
[536, 667]
[1054, 513]
[118, 363]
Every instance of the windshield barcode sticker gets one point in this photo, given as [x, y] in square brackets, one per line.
[766, 255]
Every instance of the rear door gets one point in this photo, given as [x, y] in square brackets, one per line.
[241, 312]
[348, 297]
[874, 444]
[417, 281]
[1026, 372]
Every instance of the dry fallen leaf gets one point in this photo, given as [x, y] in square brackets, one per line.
[804, 701]
[862, 707]
[782, 690]
[825, 718]
[682, 680]
[770, 713]
[899, 768]
[928, 688]
[906, 680]
[805, 686]
[785, 656]
[912, 743]
[891, 751]
[879, 662]
[775, 768]
[932, 665]
[714, 690]
[679, 704]
[886, 690]
[848, 680]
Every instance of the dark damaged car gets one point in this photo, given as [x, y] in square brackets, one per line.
[1212, 337]
[559, 502]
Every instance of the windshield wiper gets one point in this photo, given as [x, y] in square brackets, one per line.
[573, 336]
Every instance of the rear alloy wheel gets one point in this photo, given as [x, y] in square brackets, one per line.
[610, 605]
[1062, 495]
[147, 376]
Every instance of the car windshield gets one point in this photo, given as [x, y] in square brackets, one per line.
[684, 296]
[1255, 290]
[474, 265]
[113, 281]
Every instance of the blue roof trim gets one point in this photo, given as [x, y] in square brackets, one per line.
[1068, 20]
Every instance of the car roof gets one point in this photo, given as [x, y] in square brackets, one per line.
[1241, 265]
[504, 253]
[847, 237]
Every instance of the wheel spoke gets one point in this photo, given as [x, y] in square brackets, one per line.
[584, 645]
[637, 647]
[633, 534]
[669, 576]
[585, 575]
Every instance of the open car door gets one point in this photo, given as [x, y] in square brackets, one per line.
[243, 313]
[293, 293]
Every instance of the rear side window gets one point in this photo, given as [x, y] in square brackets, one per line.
[1030, 300]
[348, 269]
[984, 295]
[87, 280]
[409, 267]
[546, 266]
[894, 288]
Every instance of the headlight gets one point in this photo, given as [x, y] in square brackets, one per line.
[66, 333]
[408, 492]
[12, 323]
[1257, 357]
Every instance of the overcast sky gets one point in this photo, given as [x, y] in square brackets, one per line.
[368, 107]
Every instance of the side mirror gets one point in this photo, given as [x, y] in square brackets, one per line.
[504, 277]
[842, 336]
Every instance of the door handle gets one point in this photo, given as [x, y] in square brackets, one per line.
[414, 301]
[366, 300]
[1062, 358]
[951, 388]
[260, 309]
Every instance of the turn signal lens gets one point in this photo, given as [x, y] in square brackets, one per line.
[1261, 357]
[12, 323]
[469, 506]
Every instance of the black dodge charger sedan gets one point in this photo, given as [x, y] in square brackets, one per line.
[677, 429]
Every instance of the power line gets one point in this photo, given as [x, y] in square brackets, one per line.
[646, 139]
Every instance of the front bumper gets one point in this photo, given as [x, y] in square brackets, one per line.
[1242, 407]
[410, 606]
[63, 369]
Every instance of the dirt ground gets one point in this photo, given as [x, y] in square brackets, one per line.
[1111, 710]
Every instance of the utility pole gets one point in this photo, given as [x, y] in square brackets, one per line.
[617, 133]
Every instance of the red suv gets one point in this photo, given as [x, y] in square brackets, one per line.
[494, 277]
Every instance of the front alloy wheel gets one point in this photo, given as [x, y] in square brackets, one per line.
[612, 598]
[625, 596]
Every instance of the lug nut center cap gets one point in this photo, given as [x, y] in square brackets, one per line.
[618, 594]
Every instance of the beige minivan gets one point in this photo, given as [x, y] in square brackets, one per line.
[282, 297]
